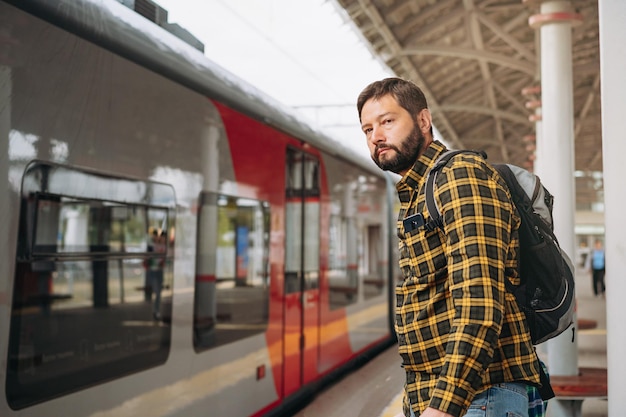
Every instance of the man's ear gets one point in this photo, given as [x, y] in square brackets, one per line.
[424, 121]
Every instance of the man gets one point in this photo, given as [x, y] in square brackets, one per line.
[598, 269]
[465, 346]
[154, 269]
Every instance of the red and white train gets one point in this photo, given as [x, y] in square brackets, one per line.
[274, 262]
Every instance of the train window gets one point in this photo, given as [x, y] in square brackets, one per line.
[373, 281]
[88, 303]
[357, 258]
[343, 273]
[232, 270]
[372, 210]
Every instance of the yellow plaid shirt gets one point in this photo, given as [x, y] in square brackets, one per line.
[459, 330]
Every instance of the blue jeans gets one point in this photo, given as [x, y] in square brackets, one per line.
[507, 399]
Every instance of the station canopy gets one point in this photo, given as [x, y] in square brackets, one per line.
[478, 62]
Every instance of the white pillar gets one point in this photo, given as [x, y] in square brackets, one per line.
[557, 138]
[612, 22]
[206, 260]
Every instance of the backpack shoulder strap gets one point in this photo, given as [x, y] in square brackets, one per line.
[434, 214]
[520, 198]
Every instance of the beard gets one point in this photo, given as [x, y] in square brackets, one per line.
[405, 155]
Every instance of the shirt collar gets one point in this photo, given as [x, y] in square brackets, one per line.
[426, 160]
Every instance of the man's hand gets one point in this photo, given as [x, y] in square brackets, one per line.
[433, 412]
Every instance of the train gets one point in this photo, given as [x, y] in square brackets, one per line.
[174, 241]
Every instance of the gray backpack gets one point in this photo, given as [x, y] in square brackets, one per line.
[546, 290]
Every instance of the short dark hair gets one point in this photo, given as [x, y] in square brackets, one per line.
[408, 95]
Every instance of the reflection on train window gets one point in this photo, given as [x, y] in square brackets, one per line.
[232, 270]
[356, 261]
[85, 306]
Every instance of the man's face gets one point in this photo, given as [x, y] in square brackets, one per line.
[393, 136]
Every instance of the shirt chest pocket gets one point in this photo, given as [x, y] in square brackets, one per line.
[424, 251]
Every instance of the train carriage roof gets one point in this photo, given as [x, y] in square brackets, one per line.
[128, 34]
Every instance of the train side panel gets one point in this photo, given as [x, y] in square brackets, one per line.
[164, 253]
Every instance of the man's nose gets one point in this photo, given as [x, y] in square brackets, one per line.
[377, 135]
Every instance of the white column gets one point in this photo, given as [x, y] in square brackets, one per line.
[612, 21]
[206, 260]
[557, 138]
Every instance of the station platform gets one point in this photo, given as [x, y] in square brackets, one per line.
[375, 389]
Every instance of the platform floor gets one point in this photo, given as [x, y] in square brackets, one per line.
[375, 389]
[371, 391]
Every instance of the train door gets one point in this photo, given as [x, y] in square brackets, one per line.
[302, 254]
